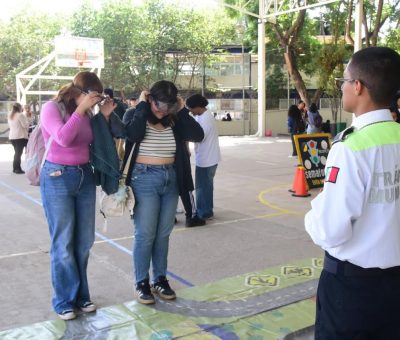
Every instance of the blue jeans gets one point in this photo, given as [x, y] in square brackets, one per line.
[69, 198]
[205, 191]
[156, 198]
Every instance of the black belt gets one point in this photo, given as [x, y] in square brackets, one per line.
[345, 268]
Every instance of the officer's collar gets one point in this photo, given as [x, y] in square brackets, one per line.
[371, 118]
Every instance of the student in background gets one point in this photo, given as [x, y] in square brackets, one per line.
[295, 125]
[207, 156]
[314, 120]
[18, 135]
[30, 116]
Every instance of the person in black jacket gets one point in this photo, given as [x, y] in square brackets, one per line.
[295, 125]
[158, 172]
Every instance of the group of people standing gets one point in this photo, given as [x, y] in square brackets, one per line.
[156, 132]
[301, 120]
[21, 121]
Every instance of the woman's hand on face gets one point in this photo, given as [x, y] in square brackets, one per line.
[144, 96]
[88, 101]
[107, 106]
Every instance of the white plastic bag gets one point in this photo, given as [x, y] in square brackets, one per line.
[117, 204]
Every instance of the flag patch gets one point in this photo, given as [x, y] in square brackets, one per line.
[331, 174]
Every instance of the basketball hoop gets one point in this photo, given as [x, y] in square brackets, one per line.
[80, 56]
[79, 52]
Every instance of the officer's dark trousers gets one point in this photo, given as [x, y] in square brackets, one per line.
[358, 307]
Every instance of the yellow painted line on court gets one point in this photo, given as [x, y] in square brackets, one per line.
[274, 206]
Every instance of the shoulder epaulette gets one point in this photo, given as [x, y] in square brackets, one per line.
[341, 136]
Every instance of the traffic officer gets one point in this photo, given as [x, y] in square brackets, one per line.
[356, 218]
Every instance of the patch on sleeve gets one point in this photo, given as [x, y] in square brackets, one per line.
[331, 174]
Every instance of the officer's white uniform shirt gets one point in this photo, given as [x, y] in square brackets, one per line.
[357, 215]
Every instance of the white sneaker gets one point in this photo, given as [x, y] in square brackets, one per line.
[88, 307]
[66, 315]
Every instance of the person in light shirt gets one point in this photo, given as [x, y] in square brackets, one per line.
[18, 135]
[355, 219]
[208, 156]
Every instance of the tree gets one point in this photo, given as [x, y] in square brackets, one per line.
[376, 14]
[294, 33]
[23, 41]
[150, 42]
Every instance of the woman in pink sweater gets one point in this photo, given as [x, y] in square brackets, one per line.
[68, 189]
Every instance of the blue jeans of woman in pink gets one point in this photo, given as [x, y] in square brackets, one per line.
[69, 197]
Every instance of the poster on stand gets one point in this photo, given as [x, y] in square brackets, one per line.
[312, 151]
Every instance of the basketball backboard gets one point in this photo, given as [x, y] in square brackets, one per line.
[79, 52]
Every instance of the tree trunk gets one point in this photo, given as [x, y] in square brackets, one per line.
[374, 37]
[347, 35]
[296, 76]
[317, 96]
[366, 30]
[287, 40]
[192, 75]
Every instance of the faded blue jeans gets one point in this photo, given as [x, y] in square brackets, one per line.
[205, 191]
[156, 198]
[69, 198]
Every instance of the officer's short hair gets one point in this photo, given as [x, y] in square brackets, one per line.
[378, 68]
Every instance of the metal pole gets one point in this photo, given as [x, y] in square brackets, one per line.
[250, 94]
[203, 81]
[288, 90]
[261, 69]
[358, 25]
[243, 94]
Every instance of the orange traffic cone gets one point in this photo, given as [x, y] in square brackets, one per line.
[295, 179]
[300, 187]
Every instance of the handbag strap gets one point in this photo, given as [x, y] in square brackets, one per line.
[128, 162]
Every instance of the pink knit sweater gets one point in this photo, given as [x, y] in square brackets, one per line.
[71, 139]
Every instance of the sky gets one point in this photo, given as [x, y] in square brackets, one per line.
[10, 8]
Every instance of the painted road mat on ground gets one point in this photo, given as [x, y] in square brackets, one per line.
[276, 303]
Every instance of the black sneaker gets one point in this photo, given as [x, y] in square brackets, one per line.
[162, 289]
[195, 221]
[143, 293]
[67, 314]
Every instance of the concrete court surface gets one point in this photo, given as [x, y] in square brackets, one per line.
[257, 224]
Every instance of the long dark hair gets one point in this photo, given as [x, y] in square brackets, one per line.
[83, 81]
[17, 107]
[294, 112]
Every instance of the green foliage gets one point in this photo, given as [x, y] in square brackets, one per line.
[276, 86]
[23, 41]
[142, 43]
[392, 40]
[151, 42]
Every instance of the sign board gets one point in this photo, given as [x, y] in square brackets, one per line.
[79, 52]
[312, 151]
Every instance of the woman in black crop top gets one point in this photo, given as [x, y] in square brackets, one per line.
[158, 172]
